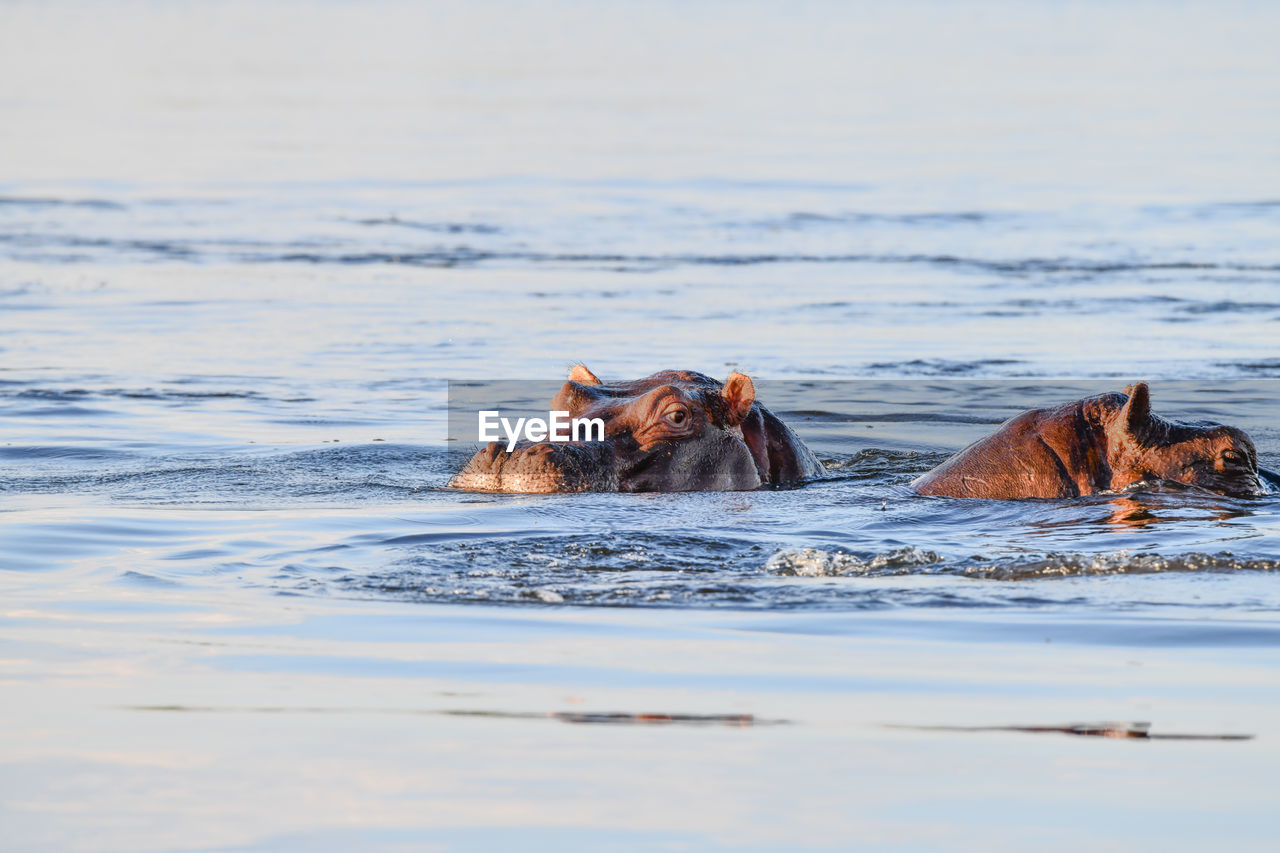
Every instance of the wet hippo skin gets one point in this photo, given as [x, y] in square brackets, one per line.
[1098, 444]
[674, 431]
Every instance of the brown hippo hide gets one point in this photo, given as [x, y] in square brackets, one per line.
[674, 431]
[1098, 444]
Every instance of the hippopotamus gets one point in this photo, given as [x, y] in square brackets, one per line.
[1099, 444]
[674, 431]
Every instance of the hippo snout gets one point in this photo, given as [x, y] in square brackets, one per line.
[1254, 488]
[532, 468]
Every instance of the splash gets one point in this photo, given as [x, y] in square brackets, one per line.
[815, 562]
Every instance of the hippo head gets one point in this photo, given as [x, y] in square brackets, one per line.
[673, 431]
[1141, 447]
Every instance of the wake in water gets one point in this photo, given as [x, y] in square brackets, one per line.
[814, 562]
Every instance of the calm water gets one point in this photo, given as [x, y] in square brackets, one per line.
[244, 249]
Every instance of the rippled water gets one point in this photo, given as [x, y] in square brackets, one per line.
[245, 249]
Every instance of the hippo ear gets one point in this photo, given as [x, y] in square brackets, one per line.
[582, 376]
[1135, 415]
[739, 393]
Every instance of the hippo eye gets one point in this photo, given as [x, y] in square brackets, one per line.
[1232, 456]
[676, 417]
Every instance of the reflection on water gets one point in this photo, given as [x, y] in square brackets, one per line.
[611, 718]
[1133, 513]
[1122, 731]
[1129, 511]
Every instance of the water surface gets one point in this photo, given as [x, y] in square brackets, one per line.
[244, 250]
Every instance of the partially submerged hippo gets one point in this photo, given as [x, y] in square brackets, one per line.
[674, 431]
[1098, 444]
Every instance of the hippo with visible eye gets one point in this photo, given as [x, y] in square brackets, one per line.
[674, 431]
[1098, 444]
